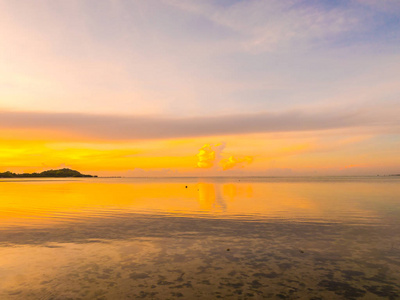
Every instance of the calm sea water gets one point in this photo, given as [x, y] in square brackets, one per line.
[206, 238]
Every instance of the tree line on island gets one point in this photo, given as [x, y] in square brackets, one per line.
[63, 173]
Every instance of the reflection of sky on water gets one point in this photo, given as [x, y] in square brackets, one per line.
[36, 203]
[210, 197]
[159, 239]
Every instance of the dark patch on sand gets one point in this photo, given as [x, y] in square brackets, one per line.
[383, 291]
[342, 288]
[138, 275]
[349, 274]
[266, 275]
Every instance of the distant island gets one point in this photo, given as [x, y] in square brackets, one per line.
[61, 173]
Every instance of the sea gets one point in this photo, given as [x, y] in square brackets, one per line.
[200, 238]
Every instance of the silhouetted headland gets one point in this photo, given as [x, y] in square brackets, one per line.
[50, 173]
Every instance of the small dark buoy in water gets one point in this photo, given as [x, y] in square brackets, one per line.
[228, 249]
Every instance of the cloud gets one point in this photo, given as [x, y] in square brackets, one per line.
[177, 57]
[125, 127]
[209, 155]
[233, 162]
[206, 157]
[271, 25]
[212, 157]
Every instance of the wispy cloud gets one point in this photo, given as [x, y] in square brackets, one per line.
[168, 56]
[273, 25]
[125, 127]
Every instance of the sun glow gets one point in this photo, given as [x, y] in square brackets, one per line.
[260, 154]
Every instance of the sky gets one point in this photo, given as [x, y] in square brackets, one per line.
[200, 88]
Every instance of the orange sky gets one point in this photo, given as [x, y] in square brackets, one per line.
[284, 154]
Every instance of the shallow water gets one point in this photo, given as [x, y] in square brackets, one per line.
[207, 238]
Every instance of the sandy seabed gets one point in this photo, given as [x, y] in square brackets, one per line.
[137, 256]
